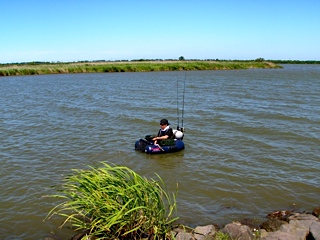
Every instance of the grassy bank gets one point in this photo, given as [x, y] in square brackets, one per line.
[100, 67]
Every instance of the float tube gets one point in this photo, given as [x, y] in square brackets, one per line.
[149, 147]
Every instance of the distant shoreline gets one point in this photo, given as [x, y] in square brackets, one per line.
[40, 68]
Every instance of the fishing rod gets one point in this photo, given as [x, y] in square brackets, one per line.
[182, 111]
[178, 120]
[183, 93]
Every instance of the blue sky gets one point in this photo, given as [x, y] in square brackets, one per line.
[77, 30]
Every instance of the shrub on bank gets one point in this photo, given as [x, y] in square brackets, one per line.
[114, 202]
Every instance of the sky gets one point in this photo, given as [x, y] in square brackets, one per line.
[78, 30]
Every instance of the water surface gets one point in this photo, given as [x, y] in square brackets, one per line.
[252, 140]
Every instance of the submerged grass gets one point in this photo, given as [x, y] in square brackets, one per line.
[114, 202]
[100, 67]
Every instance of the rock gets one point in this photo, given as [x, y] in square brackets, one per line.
[182, 233]
[316, 212]
[272, 225]
[301, 226]
[184, 236]
[300, 229]
[315, 230]
[204, 232]
[278, 235]
[263, 233]
[303, 216]
[281, 215]
[252, 223]
[281, 225]
[236, 231]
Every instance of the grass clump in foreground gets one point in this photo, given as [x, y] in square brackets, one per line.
[114, 202]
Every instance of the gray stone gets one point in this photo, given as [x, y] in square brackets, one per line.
[204, 232]
[301, 226]
[236, 231]
[303, 216]
[272, 225]
[182, 233]
[316, 212]
[263, 233]
[278, 235]
[297, 228]
[315, 230]
[297, 224]
[184, 236]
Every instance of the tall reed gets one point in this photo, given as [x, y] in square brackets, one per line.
[114, 202]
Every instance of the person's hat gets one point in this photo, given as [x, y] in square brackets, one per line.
[164, 122]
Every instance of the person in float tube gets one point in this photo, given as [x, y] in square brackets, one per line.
[165, 132]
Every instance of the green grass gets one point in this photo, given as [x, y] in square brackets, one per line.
[101, 67]
[114, 202]
[221, 236]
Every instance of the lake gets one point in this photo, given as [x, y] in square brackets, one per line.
[252, 140]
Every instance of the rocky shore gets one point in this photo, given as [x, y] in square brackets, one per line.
[280, 225]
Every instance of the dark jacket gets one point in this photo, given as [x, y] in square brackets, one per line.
[168, 132]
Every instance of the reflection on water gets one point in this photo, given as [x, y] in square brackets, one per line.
[252, 140]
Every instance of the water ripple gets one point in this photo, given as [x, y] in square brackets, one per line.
[252, 140]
